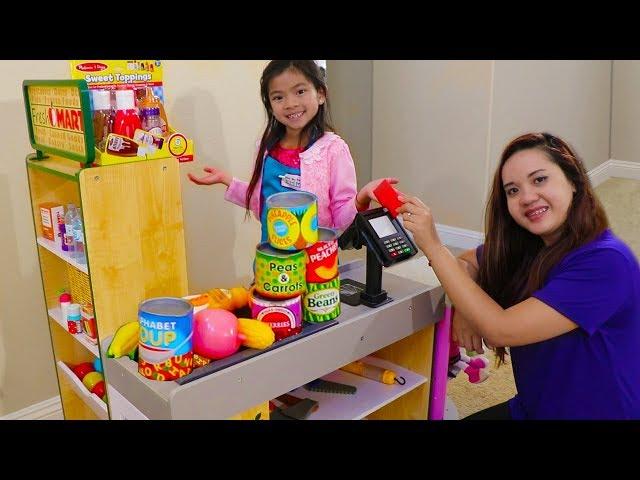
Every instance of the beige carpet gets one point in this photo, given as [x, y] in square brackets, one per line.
[471, 397]
[621, 200]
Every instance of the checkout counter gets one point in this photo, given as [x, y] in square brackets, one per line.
[392, 319]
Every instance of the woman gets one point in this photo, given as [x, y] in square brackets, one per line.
[554, 284]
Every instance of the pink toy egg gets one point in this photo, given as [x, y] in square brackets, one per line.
[215, 333]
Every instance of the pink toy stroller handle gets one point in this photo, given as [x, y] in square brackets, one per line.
[440, 365]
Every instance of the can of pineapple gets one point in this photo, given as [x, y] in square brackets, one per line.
[292, 220]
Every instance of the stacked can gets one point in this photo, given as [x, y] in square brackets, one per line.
[280, 264]
[322, 300]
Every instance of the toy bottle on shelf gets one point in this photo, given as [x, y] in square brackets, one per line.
[149, 101]
[69, 217]
[126, 120]
[102, 117]
[151, 121]
[78, 238]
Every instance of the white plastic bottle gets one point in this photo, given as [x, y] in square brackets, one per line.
[78, 238]
[69, 216]
[74, 318]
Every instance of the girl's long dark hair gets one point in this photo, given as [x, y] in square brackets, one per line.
[515, 262]
[274, 130]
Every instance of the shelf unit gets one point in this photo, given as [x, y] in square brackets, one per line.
[88, 399]
[369, 397]
[133, 232]
[56, 314]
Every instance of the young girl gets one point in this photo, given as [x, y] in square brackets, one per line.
[298, 150]
[554, 284]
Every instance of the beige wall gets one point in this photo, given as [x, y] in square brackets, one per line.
[441, 125]
[350, 94]
[625, 115]
[27, 373]
[217, 103]
[430, 129]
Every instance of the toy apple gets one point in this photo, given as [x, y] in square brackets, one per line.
[215, 333]
[91, 379]
[99, 389]
[82, 369]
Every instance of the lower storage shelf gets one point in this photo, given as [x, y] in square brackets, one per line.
[90, 399]
[369, 396]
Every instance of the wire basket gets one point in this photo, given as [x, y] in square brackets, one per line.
[79, 285]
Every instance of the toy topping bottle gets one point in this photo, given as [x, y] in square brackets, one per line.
[148, 101]
[65, 300]
[74, 318]
[126, 120]
[102, 117]
[151, 121]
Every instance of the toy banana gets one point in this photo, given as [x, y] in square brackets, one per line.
[125, 340]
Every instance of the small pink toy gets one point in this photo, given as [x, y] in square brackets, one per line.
[215, 333]
[476, 367]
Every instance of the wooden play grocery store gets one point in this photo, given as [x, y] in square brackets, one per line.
[308, 340]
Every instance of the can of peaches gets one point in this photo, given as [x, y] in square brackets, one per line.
[322, 257]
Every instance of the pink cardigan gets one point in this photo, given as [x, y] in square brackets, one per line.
[326, 170]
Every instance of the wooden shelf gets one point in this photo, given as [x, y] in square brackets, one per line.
[370, 396]
[53, 248]
[90, 399]
[56, 314]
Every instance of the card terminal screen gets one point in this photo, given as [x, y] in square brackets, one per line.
[383, 226]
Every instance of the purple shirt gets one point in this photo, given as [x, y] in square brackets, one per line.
[592, 372]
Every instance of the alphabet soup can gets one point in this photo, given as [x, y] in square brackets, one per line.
[322, 301]
[322, 257]
[292, 220]
[279, 274]
[166, 334]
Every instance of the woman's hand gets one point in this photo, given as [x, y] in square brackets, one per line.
[214, 176]
[365, 195]
[418, 220]
[464, 335]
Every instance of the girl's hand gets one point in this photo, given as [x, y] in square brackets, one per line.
[214, 176]
[365, 195]
[419, 221]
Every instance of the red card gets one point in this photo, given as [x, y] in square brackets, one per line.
[387, 197]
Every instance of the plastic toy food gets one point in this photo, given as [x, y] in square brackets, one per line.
[257, 334]
[215, 333]
[91, 379]
[125, 340]
[82, 369]
[99, 389]
[232, 299]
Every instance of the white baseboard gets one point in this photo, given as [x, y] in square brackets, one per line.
[50, 409]
[614, 169]
[459, 237]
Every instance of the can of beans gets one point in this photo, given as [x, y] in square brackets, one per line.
[322, 301]
[322, 257]
[283, 316]
[292, 220]
[279, 274]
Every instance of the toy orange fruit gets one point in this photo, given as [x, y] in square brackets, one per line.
[239, 297]
[200, 300]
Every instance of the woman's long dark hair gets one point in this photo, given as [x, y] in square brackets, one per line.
[274, 130]
[515, 262]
